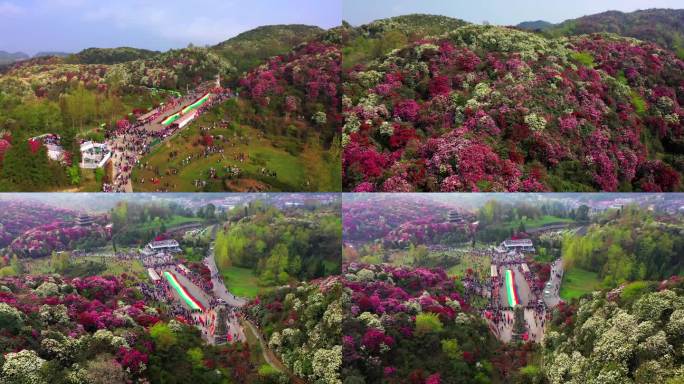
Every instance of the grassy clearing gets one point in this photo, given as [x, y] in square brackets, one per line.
[262, 153]
[84, 265]
[479, 264]
[578, 282]
[298, 166]
[540, 222]
[174, 221]
[241, 281]
[256, 354]
[584, 58]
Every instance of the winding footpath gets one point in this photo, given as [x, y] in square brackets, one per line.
[222, 292]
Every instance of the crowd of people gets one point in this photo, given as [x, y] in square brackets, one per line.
[501, 317]
[161, 291]
[158, 260]
[130, 142]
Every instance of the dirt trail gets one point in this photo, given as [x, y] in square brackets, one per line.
[270, 357]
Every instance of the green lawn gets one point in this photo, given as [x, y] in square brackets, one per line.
[170, 223]
[311, 169]
[261, 151]
[578, 282]
[540, 222]
[113, 266]
[479, 264]
[241, 281]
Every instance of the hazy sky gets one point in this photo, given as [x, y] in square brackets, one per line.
[501, 12]
[71, 25]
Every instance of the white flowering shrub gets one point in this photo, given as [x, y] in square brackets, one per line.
[386, 129]
[371, 320]
[54, 314]
[320, 118]
[48, 288]
[535, 122]
[22, 367]
[652, 306]
[365, 275]
[10, 317]
[326, 365]
[635, 343]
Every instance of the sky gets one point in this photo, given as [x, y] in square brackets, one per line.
[499, 12]
[33, 26]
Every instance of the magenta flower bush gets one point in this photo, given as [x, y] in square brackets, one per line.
[303, 82]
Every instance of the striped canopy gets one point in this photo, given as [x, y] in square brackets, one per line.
[183, 292]
[511, 292]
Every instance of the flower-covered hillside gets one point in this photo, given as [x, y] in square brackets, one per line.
[173, 69]
[97, 330]
[496, 109]
[632, 335]
[18, 217]
[411, 326]
[409, 220]
[57, 236]
[301, 87]
[303, 326]
[377, 38]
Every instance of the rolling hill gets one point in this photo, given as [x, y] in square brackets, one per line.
[9, 57]
[249, 49]
[661, 26]
[498, 109]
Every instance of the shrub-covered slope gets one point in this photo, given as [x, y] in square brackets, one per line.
[497, 109]
[662, 26]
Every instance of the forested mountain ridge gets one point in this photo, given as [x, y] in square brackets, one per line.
[535, 25]
[250, 48]
[110, 55]
[9, 57]
[661, 26]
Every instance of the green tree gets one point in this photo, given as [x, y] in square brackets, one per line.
[163, 336]
[24, 170]
[428, 322]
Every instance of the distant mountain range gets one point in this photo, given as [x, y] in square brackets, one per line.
[662, 26]
[538, 25]
[51, 53]
[9, 57]
[243, 51]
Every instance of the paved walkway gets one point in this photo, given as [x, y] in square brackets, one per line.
[233, 325]
[553, 285]
[220, 289]
[533, 325]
